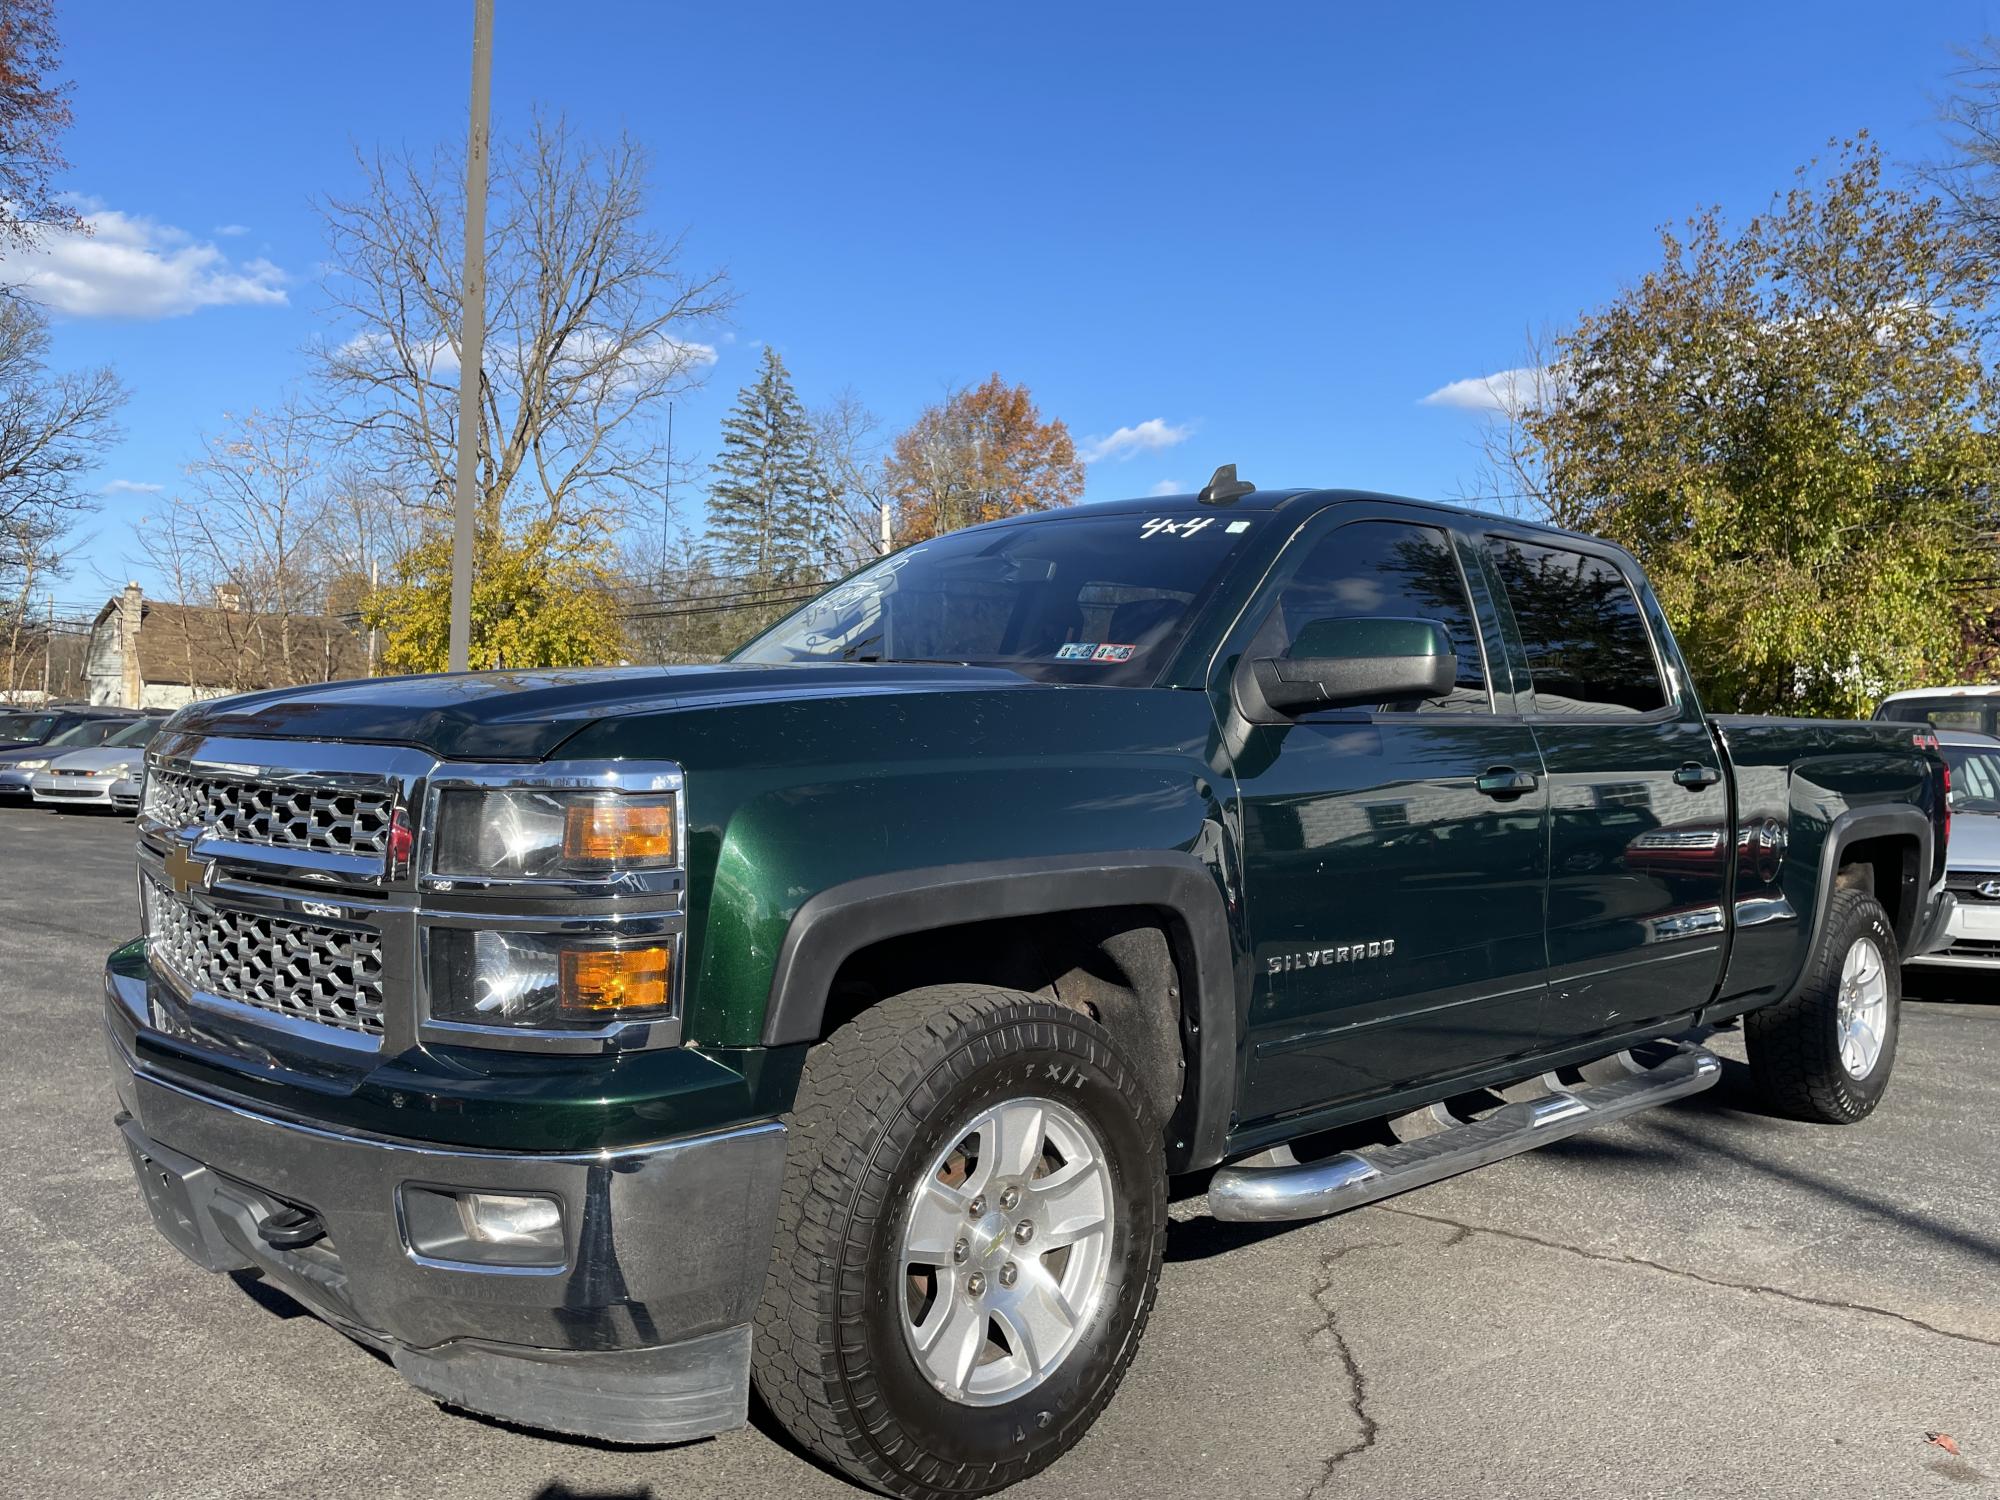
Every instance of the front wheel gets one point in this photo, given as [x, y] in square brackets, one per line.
[968, 1244]
[1826, 1053]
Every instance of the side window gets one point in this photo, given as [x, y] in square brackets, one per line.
[1383, 570]
[1586, 641]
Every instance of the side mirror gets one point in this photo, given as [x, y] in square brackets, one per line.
[1344, 662]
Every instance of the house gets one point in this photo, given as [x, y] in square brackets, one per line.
[147, 653]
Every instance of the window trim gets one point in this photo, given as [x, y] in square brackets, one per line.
[1673, 690]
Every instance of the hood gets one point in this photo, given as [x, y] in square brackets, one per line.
[526, 715]
[98, 758]
[10, 754]
[1975, 842]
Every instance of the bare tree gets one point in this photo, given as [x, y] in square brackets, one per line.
[591, 325]
[34, 113]
[248, 541]
[54, 429]
[851, 451]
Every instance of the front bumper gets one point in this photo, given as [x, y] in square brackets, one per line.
[15, 782]
[642, 1334]
[71, 791]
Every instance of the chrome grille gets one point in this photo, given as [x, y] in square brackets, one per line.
[295, 969]
[330, 820]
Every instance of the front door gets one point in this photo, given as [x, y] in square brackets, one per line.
[1394, 857]
[1639, 841]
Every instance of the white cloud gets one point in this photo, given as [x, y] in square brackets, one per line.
[1505, 391]
[131, 487]
[130, 266]
[1150, 436]
[1169, 487]
[230, 230]
[660, 358]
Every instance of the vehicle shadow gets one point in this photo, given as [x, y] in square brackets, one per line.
[1952, 986]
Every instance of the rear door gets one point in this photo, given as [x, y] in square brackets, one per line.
[1639, 835]
[1395, 907]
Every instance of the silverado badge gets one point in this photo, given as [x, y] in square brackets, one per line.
[1344, 953]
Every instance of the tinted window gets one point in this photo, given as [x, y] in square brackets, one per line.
[138, 732]
[1941, 713]
[89, 732]
[24, 729]
[1587, 645]
[1076, 598]
[1383, 570]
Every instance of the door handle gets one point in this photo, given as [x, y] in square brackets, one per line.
[1697, 776]
[1505, 781]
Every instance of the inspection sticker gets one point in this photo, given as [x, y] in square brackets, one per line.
[1112, 653]
[1076, 651]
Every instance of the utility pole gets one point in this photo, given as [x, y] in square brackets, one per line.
[48, 646]
[471, 335]
[667, 499]
[374, 584]
[888, 545]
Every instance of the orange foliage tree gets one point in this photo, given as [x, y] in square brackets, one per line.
[978, 455]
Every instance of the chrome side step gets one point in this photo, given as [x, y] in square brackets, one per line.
[1275, 1185]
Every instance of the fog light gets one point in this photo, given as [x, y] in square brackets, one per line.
[511, 1219]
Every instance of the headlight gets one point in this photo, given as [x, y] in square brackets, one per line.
[32, 765]
[530, 831]
[114, 771]
[546, 982]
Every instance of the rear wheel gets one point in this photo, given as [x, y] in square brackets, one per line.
[968, 1244]
[1827, 1052]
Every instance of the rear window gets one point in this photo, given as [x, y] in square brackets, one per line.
[24, 729]
[1588, 648]
[1974, 715]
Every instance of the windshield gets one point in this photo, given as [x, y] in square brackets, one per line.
[24, 729]
[1099, 599]
[89, 732]
[1975, 777]
[138, 732]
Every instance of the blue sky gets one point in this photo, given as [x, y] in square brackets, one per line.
[1270, 231]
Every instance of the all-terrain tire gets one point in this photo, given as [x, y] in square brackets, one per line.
[879, 1101]
[1796, 1065]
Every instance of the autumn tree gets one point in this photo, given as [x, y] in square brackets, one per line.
[770, 518]
[1792, 426]
[34, 113]
[978, 455]
[537, 601]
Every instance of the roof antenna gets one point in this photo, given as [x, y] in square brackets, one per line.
[1224, 488]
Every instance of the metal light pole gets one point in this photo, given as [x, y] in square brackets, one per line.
[471, 336]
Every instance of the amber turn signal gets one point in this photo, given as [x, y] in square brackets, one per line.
[622, 831]
[602, 981]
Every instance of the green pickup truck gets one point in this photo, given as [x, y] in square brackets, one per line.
[599, 1044]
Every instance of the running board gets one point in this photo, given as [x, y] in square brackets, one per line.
[1290, 1189]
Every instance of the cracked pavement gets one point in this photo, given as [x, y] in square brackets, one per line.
[1699, 1301]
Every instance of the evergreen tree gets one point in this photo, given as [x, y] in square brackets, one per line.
[770, 507]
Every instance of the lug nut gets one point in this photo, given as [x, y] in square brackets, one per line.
[960, 1251]
[977, 1206]
[1009, 1199]
[1008, 1273]
[1024, 1231]
[976, 1283]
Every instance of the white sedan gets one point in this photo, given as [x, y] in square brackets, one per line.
[106, 775]
[1972, 859]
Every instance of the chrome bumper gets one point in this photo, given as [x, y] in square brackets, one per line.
[641, 1335]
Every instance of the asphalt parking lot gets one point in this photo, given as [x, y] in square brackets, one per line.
[1700, 1302]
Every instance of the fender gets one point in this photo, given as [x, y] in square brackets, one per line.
[844, 919]
[1851, 827]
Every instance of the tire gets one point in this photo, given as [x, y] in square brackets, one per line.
[884, 1103]
[1797, 1063]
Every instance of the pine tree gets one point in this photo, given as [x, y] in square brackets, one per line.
[770, 507]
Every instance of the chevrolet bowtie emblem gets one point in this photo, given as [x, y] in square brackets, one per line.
[184, 871]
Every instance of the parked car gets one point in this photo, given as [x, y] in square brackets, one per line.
[84, 730]
[1975, 710]
[93, 778]
[1972, 862]
[594, 1043]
